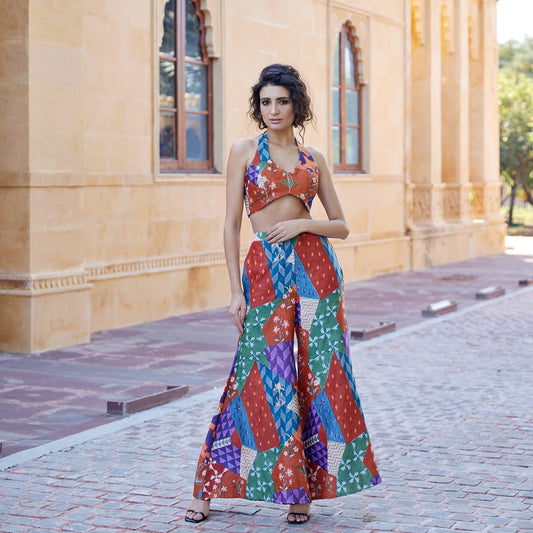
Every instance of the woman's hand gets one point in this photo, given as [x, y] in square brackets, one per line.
[286, 229]
[237, 310]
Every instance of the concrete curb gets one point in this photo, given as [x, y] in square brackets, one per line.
[24, 456]
[428, 322]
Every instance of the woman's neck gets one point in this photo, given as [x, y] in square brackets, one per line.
[283, 138]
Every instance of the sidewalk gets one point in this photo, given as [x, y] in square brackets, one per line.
[448, 403]
[53, 394]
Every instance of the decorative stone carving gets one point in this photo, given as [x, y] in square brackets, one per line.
[437, 203]
[452, 202]
[152, 265]
[486, 200]
[427, 203]
[409, 205]
[211, 14]
[493, 198]
[466, 196]
[359, 33]
[30, 285]
[478, 199]
[417, 25]
[473, 29]
[447, 27]
[211, 11]
[422, 204]
[358, 25]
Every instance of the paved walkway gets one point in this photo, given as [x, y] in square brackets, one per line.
[448, 402]
[49, 395]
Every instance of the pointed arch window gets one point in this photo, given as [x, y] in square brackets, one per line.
[347, 138]
[185, 94]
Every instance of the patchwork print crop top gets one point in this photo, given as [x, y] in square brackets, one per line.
[265, 182]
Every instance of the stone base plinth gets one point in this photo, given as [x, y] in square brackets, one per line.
[118, 301]
[44, 320]
[365, 259]
[448, 244]
[52, 311]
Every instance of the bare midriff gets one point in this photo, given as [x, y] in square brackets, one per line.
[284, 208]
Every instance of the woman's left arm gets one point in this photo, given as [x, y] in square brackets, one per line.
[335, 227]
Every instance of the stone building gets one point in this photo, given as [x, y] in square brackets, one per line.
[116, 117]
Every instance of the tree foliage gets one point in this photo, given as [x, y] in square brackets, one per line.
[517, 57]
[516, 119]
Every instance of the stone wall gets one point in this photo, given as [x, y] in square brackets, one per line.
[93, 236]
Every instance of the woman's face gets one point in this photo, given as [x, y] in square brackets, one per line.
[276, 107]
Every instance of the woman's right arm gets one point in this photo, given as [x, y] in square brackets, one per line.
[235, 171]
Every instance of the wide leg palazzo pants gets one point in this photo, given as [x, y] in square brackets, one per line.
[290, 429]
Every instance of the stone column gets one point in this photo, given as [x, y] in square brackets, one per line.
[14, 164]
[455, 86]
[483, 115]
[44, 293]
[426, 155]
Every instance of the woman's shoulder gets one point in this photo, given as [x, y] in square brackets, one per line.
[243, 151]
[245, 145]
[316, 154]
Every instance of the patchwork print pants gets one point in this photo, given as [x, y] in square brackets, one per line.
[289, 429]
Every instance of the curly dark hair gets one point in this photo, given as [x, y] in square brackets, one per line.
[288, 77]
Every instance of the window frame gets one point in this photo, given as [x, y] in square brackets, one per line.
[345, 36]
[180, 163]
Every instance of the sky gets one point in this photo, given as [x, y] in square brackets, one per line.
[514, 19]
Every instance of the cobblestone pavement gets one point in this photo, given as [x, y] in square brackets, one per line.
[448, 403]
[48, 395]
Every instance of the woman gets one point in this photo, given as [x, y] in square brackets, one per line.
[287, 431]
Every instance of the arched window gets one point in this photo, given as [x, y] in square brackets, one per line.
[185, 119]
[346, 105]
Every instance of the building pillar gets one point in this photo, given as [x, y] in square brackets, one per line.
[483, 115]
[44, 292]
[426, 148]
[455, 102]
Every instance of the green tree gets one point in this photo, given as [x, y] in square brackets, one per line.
[516, 119]
[516, 135]
[516, 57]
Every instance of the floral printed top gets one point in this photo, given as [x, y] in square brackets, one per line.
[265, 182]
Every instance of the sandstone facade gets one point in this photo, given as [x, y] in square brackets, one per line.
[94, 236]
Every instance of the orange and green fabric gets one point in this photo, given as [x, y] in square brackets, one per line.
[265, 182]
[290, 428]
